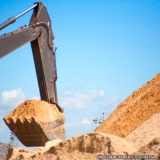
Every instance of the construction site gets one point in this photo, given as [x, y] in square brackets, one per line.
[131, 131]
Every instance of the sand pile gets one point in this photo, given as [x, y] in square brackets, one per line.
[146, 132]
[86, 146]
[36, 122]
[151, 148]
[140, 106]
[42, 110]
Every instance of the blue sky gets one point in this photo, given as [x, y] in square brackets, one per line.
[106, 50]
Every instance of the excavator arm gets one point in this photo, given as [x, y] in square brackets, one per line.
[15, 39]
[39, 34]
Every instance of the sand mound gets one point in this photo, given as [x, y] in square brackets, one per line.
[152, 148]
[146, 132]
[93, 143]
[86, 146]
[134, 111]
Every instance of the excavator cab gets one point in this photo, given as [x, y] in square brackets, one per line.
[39, 34]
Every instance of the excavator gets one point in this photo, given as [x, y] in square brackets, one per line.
[39, 34]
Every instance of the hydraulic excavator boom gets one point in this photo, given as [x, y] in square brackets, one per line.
[39, 34]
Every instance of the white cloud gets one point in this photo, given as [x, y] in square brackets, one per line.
[78, 100]
[86, 121]
[12, 98]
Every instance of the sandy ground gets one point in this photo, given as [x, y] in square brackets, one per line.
[84, 147]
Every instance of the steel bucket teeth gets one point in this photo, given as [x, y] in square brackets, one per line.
[34, 133]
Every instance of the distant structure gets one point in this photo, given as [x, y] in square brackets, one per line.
[99, 120]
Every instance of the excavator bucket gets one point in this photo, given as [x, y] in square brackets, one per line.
[36, 122]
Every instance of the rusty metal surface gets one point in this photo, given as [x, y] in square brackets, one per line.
[44, 55]
[11, 41]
